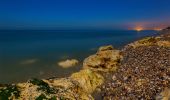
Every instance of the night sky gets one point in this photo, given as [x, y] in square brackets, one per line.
[106, 14]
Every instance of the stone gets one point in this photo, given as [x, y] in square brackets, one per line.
[68, 63]
[113, 77]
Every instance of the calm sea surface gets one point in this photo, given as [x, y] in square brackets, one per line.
[26, 53]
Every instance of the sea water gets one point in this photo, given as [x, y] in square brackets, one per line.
[28, 54]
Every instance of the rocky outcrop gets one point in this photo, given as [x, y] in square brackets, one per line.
[106, 59]
[88, 80]
[78, 86]
[150, 41]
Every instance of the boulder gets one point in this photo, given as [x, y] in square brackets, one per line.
[106, 59]
[88, 80]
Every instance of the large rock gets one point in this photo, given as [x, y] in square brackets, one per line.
[106, 59]
[88, 80]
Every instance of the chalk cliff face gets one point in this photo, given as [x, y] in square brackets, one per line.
[141, 70]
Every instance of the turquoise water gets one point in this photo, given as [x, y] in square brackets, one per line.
[34, 53]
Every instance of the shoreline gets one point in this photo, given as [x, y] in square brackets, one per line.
[100, 71]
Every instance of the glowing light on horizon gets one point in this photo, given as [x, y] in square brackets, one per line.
[139, 28]
[157, 29]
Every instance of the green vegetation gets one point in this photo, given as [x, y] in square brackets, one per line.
[53, 98]
[43, 97]
[42, 85]
[7, 92]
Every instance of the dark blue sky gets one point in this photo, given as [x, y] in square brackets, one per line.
[113, 14]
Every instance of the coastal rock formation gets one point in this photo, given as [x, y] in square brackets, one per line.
[106, 59]
[68, 63]
[78, 86]
[144, 71]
